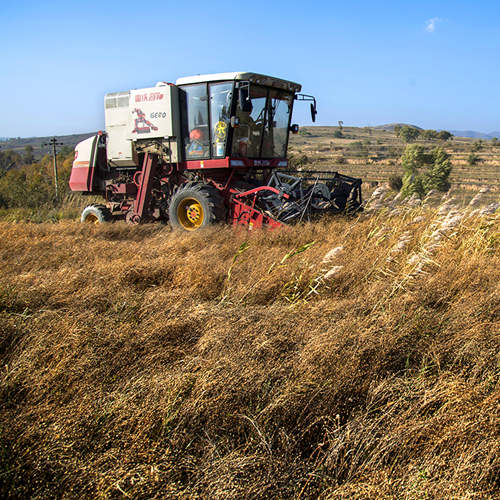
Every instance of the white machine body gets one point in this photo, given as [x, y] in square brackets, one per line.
[142, 118]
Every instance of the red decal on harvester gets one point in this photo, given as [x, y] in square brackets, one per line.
[142, 125]
[152, 96]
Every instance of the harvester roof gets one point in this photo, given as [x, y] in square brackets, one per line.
[242, 75]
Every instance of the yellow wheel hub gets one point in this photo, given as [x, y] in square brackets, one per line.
[190, 214]
[92, 219]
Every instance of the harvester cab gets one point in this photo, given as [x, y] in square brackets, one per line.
[209, 148]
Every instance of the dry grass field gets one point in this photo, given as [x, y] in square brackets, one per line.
[141, 363]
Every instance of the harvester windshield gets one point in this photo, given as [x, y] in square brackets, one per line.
[260, 129]
[263, 129]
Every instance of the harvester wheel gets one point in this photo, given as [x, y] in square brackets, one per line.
[95, 214]
[196, 205]
[132, 218]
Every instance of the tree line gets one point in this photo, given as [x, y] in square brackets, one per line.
[26, 183]
[410, 134]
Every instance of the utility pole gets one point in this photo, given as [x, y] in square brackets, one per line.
[54, 143]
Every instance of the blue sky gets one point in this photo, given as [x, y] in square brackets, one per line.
[431, 63]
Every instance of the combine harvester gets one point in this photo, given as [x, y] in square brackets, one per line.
[211, 148]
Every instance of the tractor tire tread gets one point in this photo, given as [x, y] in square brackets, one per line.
[101, 211]
[211, 196]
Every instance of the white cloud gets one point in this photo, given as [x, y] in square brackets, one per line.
[430, 24]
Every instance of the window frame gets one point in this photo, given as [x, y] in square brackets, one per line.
[229, 139]
[268, 90]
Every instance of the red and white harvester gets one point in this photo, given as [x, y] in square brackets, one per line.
[209, 148]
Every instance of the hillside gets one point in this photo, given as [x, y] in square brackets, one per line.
[389, 127]
[374, 155]
[141, 363]
[371, 153]
[18, 144]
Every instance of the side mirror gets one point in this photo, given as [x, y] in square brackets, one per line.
[235, 121]
[314, 111]
[245, 101]
[294, 129]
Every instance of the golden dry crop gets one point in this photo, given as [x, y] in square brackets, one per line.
[141, 363]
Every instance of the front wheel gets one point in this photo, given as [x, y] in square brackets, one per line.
[194, 206]
[95, 214]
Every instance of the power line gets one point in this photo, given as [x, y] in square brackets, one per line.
[54, 143]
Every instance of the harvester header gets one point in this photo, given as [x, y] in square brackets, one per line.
[209, 148]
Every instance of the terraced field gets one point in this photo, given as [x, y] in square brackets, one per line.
[373, 154]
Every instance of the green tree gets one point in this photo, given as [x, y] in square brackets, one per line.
[66, 150]
[425, 171]
[9, 159]
[408, 134]
[429, 135]
[28, 157]
[444, 135]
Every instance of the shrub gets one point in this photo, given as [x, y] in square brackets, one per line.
[9, 159]
[425, 171]
[477, 146]
[473, 159]
[358, 149]
[396, 182]
[341, 160]
[32, 186]
[297, 161]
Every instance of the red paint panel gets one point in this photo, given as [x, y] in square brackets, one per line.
[245, 215]
[80, 178]
[141, 203]
[204, 164]
[232, 163]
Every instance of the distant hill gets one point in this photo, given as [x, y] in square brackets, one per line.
[389, 127]
[19, 143]
[475, 135]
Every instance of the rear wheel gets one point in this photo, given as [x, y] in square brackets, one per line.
[95, 214]
[195, 205]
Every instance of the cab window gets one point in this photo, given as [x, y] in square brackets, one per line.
[195, 127]
[220, 114]
[277, 122]
[247, 137]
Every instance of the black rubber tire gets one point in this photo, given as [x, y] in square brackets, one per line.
[96, 214]
[209, 197]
